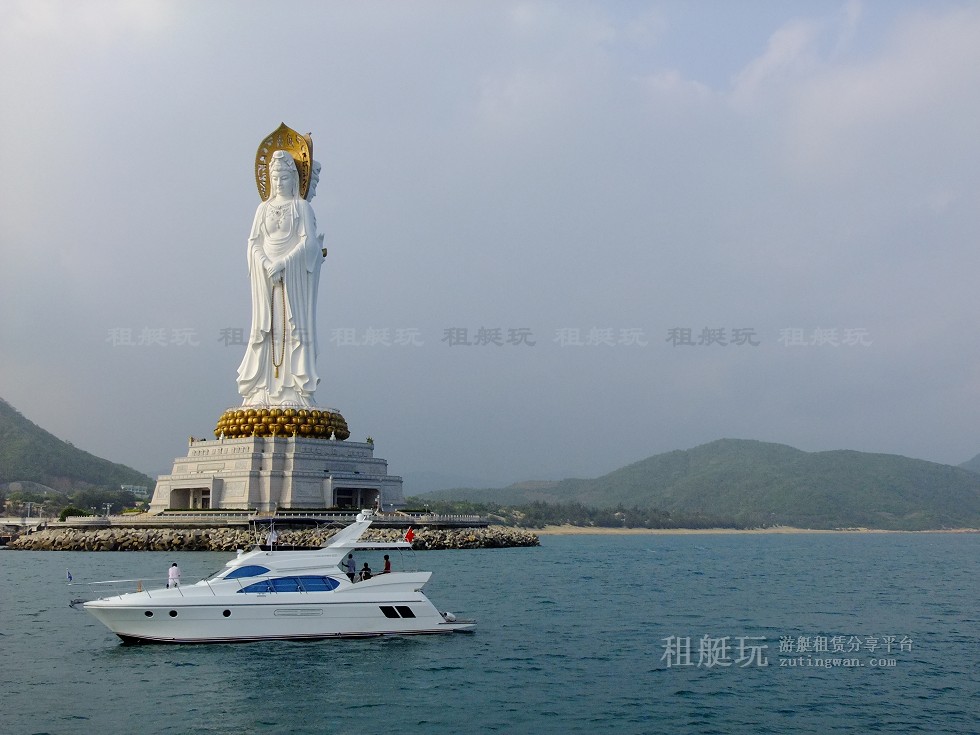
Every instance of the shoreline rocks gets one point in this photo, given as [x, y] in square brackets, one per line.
[230, 539]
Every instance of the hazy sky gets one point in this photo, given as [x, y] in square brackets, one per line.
[657, 224]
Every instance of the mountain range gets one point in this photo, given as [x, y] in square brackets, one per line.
[749, 482]
[761, 483]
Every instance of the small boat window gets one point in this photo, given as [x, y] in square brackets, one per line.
[397, 611]
[250, 570]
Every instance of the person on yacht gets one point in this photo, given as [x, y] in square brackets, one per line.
[173, 576]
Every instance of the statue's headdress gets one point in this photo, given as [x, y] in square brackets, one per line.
[299, 147]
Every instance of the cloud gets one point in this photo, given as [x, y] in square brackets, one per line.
[94, 23]
[906, 108]
[789, 54]
[501, 165]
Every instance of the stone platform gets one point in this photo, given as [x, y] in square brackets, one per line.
[264, 473]
[56, 538]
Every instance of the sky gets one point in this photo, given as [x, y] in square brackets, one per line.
[563, 236]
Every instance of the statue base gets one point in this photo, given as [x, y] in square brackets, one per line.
[269, 473]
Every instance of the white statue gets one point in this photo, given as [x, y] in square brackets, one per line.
[284, 258]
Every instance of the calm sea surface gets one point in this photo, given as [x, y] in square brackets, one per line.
[637, 634]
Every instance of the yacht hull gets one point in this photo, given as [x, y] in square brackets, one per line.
[280, 595]
[177, 616]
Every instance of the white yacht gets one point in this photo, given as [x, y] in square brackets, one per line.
[279, 595]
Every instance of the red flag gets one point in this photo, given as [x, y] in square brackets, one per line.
[409, 535]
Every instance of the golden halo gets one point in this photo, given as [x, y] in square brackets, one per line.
[299, 146]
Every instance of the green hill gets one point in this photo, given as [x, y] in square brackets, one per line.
[973, 464]
[30, 454]
[759, 483]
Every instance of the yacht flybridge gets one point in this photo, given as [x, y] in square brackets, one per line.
[281, 595]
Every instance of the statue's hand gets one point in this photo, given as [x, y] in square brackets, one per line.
[274, 270]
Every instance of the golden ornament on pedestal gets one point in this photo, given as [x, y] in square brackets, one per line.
[311, 424]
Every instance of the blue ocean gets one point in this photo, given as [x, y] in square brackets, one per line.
[803, 633]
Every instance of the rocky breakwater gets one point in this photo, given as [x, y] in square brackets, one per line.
[491, 537]
[230, 539]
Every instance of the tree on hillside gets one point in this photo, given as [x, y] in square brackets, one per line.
[98, 497]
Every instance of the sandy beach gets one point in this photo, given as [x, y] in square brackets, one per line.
[582, 530]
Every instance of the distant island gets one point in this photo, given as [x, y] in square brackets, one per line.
[729, 483]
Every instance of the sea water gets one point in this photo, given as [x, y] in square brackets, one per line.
[829, 633]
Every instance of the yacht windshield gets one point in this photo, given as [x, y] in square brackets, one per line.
[249, 570]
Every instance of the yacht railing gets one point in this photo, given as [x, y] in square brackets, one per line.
[140, 586]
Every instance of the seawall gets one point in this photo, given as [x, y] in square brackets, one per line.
[229, 539]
